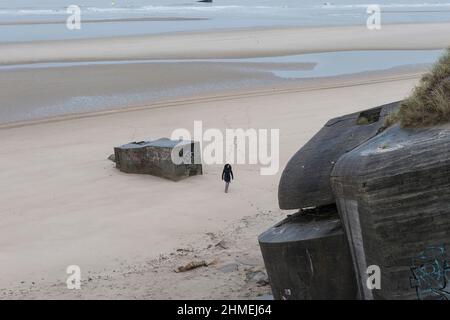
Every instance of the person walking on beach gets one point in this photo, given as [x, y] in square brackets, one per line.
[227, 176]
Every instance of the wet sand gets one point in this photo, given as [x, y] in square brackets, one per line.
[78, 89]
[242, 43]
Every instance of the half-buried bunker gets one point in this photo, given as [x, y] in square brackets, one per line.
[170, 159]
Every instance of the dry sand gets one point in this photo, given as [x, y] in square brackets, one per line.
[63, 203]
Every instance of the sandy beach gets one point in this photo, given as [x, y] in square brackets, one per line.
[63, 203]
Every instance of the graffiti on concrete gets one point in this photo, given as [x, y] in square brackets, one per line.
[430, 274]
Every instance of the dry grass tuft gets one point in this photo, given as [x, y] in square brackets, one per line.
[429, 104]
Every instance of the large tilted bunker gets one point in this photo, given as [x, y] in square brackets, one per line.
[307, 256]
[171, 159]
[305, 181]
[393, 194]
[387, 172]
[369, 196]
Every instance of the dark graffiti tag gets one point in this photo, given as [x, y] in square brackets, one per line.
[430, 274]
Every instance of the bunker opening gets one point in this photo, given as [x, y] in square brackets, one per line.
[369, 116]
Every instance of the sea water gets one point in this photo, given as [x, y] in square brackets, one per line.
[22, 20]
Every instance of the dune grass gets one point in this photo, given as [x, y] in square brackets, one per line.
[429, 103]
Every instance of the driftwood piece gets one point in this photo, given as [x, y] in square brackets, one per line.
[393, 194]
[192, 265]
[307, 257]
[305, 181]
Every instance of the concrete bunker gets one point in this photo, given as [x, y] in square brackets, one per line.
[305, 181]
[307, 257]
[289, 254]
[170, 159]
[393, 195]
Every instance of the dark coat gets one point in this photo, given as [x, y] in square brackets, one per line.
[227, 173]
